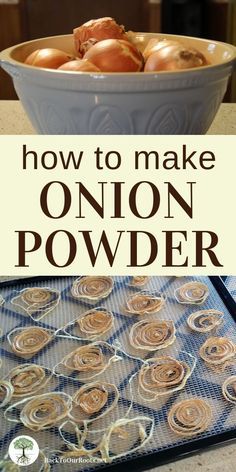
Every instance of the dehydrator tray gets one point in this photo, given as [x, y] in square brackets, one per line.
[163, 445]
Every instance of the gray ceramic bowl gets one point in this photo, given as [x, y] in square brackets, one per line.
[59, 102]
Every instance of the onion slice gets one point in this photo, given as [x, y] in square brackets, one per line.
[163, 375]
[27, 379]
[92, 287]
[192, 293]
[190, 417]
[145, 302]
[204, 321]
[41, 412]
[152, 335]
[218, 352]
[6, 392]
[37, 302]
[229, 389]
[25, 342]
[93, 400]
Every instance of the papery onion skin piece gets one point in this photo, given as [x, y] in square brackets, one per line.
[5, 386]
[192, 293]
[174, 57]
[229, 382]
[115, 55]
[216, 351]
[92, 287]
[27, 379]
[79, 65]
[207, 320]
[152, 335]
[30, 340]
[52, 408]
[98, 29]
[190, 417]
[95, 323]
[49, 58]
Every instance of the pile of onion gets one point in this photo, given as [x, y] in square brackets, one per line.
[102, 45]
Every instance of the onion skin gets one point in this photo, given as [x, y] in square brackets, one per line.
[49, 57]
[115, 55]
[98, 30]
[79, 65]
[173, 57]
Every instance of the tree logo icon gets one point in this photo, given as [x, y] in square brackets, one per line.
[23, 450]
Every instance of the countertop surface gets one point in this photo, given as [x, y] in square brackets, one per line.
[13, 119]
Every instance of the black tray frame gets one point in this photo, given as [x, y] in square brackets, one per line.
[155, 459]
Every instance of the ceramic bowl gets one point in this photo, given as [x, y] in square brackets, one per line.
[59, 102]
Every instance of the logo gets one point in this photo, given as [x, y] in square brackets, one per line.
[23, 450]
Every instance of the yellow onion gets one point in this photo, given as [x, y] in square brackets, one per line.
[50, 58]
[115, 55]
[174, 57]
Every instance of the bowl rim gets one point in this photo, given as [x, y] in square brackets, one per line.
[6, 57]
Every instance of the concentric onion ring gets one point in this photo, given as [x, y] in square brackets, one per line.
[92, 287]
[152, 335]
[229, 389]
[218, 352]
[85, 359]
[162, 375]
[27, 379]
[193, 293]
[190, 417]
[95, 323]
[139, 281]
[92, 398]
[37, 301]
[204, 321]
[145, 303]
[43, 411]
[29, 340]
[89, 360]
[6, 392]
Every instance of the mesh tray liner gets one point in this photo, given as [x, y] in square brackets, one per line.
[203, 383]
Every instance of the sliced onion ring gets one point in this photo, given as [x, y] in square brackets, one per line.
[192, 293]
[27, 379]
[204, 321]
[89, 360]
[40, 411]
[91, 398]
[145, 302]
[92, 287]
[163, 375]
[139, 280]
[95, 323]
[6, 392]
[190, 417]
[218, 352]
[229, 389]
[37, 302]
[28, 341]
[152, 335]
